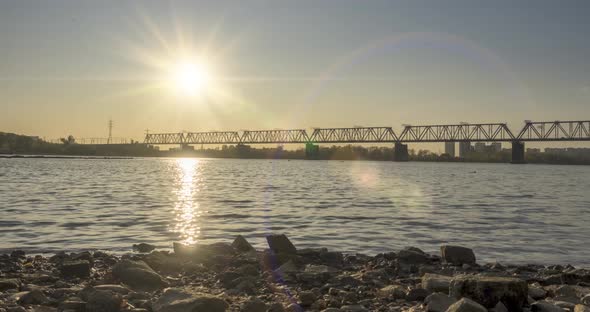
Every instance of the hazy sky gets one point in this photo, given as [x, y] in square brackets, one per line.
[66, 67]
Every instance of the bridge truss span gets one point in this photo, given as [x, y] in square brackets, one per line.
[274, 136]
[555, 131]
[212, 137]
[353, 135]
[457, 133]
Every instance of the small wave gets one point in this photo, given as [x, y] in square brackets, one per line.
[235, 201]
[228, 216]
[11, 223]
[73, 225]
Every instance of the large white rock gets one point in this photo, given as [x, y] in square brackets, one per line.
[436, 282]
[489, 290]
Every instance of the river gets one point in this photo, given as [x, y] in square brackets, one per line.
[506, 213]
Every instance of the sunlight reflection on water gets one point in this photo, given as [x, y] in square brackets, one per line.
[187, 207]
[369, 207]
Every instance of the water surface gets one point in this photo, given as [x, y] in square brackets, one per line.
[509, 213]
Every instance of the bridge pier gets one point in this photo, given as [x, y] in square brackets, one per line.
[312, 151]
[518, 153]
[400, 152]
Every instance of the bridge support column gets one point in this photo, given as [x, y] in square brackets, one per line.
[517, 153]
[400, 152]
[312, 151]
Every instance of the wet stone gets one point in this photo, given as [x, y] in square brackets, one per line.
[438, 302]
[75, 268]
[143, 247]
[178, 300]
[102, 301]
[457, 255]
[34, 296]
[544, 306]
[241, 244]
[489, 290]
[254, 305]
[138, 275]
[9, 283]
[280, 244]
[436, 282]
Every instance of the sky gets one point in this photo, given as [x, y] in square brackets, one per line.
[67, 67]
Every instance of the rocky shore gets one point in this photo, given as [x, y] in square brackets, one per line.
[236, 277]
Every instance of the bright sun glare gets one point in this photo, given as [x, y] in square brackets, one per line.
[190, 78]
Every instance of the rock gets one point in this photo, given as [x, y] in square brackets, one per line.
[288, 267]
[565, 291]
[565, 305]
[75, 268]
[306, 298]
[72, 305]
[254, 305]
[280, 244]
[466, 305]
[183, 250]
[581, 308]
[500, 307]
[353, 308]
[457, 255]
[436, 283]
[544, 306]
[181, 300]
[34, 296]
[488, 290]
[143, 247]
[417, 294]
[293, 307]
[114, 288]
[9, 283]
[138, 275]
[392, 292]
[103, 301]
[276, 307]
[411, 256]
[241, 244]
[537, 293]
[438, 302]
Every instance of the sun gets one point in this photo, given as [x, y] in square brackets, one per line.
[190, 78]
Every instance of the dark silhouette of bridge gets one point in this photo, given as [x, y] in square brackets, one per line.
[545, 131]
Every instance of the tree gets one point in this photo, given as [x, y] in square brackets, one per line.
[69, 141]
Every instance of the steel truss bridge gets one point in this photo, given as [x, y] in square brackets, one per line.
[464, 132]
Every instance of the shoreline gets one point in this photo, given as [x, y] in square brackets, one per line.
[90, 157]
[233, 276]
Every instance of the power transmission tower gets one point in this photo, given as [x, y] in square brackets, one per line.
[110, 131]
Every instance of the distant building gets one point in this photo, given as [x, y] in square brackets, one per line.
[464, 149]
[533, 150]
[480, 147]
[450, 148]
[496, 147]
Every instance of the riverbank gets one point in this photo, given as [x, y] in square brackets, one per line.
[236, 277]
